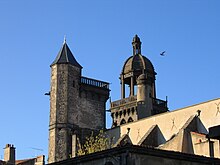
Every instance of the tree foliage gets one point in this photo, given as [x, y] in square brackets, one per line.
[94, 143]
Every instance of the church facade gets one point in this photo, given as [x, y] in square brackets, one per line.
[141, 120]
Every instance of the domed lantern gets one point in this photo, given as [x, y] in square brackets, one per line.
[134, 66]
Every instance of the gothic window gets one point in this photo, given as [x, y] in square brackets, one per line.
[120, 113]
[132, 110]
[124, 112]
[129, 111]
[116, 115]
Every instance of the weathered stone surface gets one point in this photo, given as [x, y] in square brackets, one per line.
[75, 108]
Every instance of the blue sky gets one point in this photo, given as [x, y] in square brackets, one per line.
[99, 33]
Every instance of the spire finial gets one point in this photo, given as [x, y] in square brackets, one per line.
[136, 43]
[64, 39]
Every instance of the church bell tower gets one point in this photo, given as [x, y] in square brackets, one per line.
[77, 106]
[64, 93]
[138, 76]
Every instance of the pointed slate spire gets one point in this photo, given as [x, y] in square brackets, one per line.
[65, 56]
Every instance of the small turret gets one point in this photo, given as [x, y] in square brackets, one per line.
[136, 43]
[64, 103]
[144, 96]
[77, 106]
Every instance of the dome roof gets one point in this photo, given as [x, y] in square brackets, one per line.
[137, 63]
[136, 39]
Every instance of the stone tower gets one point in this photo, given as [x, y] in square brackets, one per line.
[139, 75]
[77, 105]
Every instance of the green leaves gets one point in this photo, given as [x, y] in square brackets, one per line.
[94, 143]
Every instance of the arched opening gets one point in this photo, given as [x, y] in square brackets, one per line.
[130, 120]
[124, 112]
[122, 121]
[120, 113]
[132, 110]
[116, 115]
[129, 87]
[129, 111]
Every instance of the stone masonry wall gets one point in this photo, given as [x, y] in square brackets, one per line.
[92, 113]
[63, 92]
[73, 105]
[53, 103]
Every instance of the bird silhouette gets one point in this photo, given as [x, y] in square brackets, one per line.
[163, 53]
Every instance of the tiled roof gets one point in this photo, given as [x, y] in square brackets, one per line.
[19, 162]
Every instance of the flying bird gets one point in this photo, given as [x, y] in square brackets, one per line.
[163, 53]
